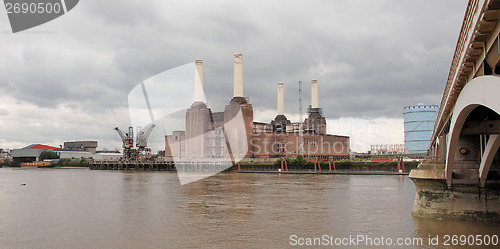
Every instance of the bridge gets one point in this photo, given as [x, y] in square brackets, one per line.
[461, 178]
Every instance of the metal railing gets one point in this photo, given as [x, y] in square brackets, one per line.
[469, 25]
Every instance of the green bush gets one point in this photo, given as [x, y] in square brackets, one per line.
[299, 163]
[66, 162]
[48, 155]
[5, 162]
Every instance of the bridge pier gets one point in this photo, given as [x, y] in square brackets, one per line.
[465, 199]
[436, 199]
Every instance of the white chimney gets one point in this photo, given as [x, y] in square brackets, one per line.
[238, 75]
[199, 95]
[281, 99]
[314, 94]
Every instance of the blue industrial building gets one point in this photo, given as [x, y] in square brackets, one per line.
[419, 123]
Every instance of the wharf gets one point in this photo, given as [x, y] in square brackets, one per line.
[151, 166]
[324, 172]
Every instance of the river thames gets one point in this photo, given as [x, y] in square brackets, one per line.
[79, 208]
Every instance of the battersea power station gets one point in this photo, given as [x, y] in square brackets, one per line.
[234, 134]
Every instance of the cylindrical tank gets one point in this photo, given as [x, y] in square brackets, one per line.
[419, 123]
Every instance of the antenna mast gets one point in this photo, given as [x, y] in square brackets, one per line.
[301, 134]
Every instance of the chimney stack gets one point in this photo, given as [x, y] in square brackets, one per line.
[199, 95]
[238, 75]
[281, 99]
[314, 93]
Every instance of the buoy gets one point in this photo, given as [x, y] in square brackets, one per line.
[23, 184]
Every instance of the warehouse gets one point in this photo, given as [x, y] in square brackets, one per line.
[31, 153]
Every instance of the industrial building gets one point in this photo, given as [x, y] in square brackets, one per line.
[107, 156]
[419, 123]
[31, 153]
[80, 149]
[89, 146]
[86, 150]
[70, 154]
[388, 149]
[99, 156]
[216, 134]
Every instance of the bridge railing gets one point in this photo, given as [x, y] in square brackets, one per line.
[469, 25]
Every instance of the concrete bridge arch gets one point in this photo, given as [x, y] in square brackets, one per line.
[483, 94]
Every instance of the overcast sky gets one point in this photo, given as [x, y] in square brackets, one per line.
[69, 79]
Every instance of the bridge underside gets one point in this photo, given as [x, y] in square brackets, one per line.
[472, 156]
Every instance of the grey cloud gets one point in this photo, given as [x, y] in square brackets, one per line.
[4, 112]
[371, 57]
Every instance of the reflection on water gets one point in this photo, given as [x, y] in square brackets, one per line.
[110, 209]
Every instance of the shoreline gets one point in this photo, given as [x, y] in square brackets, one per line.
[71, 167]
[323, 173]
[235, 170]
[55, 167]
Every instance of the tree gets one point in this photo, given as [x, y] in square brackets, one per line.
[300, 161]
[48, 155]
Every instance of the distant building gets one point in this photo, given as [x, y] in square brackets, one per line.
[108, 156]
[419, 123]
[31, 153]
[70, 154]
[89, 146]
[387, 149]
[99, 156]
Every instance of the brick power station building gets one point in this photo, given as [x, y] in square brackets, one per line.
[211, 135]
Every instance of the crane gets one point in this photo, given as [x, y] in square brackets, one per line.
[129, 153]
[127, 138]
[142, 136]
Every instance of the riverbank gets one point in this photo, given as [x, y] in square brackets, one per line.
[289, 165]
[56, 167]
[326, 172]
[71, 167]
[338, 167]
